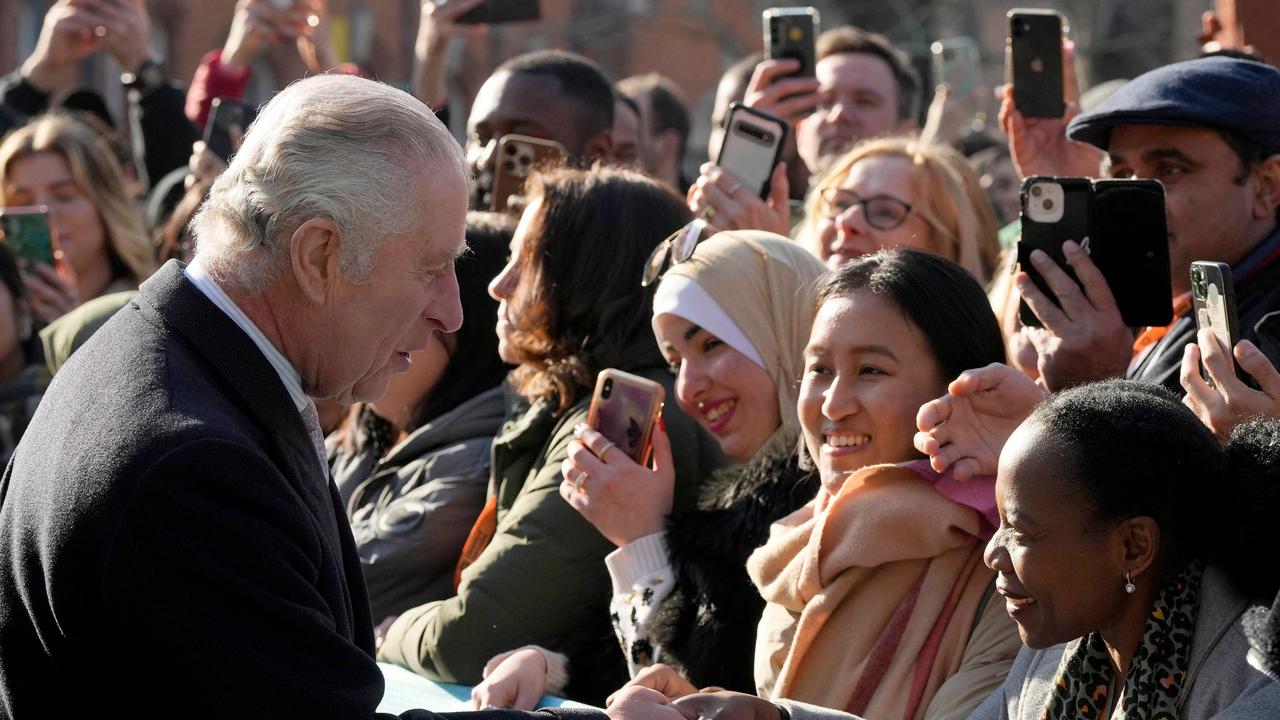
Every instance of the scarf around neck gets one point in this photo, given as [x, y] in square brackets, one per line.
[1082, 687]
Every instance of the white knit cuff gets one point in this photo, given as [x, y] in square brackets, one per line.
[637, 560]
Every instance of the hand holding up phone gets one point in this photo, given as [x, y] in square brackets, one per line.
[721, 200]
[775, 89]
[1223, 400]
[1040, 146]
[1084, 337]
[622, 498]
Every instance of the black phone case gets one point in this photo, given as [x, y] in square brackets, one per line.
[784, 127]
[1124, 222]
[1076, 224]
[1132, 249]
[502, 11]
[1035, 64]
[794, 37]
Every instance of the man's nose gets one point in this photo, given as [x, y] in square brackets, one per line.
[446, 308]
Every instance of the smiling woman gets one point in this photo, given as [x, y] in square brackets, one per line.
[1131, 543]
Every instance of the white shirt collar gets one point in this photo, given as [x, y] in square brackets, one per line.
[289, 376]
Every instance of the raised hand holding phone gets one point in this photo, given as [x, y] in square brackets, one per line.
[1040, 146]
[1223, 400]
[623, 499]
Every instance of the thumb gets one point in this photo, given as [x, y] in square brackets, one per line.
[1259, 367]
[779, 188]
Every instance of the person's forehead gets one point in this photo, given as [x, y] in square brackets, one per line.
[442, 213]
[854, 72]
[880, 174]
[1131, 142]
[525, 99]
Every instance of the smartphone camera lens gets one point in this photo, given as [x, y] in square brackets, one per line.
[1036, 191]
[1021, 28]
[1048, 204]
[607, 390]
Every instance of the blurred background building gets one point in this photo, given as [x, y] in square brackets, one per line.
[691, 41]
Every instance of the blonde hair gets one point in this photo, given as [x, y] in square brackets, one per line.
[98, 175]
[947, 195]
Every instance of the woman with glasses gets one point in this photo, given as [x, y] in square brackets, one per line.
[902, 193]
[731, 315]
[570, 304]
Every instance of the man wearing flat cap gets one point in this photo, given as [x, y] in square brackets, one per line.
[1209, 130]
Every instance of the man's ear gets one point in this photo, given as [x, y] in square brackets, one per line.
[1140, 542]
[314, 254]
[1266, 196]
[598, 147]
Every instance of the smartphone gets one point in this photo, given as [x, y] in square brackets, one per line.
[501, 11]
[225, 114]
[955, 63]
[27, 232]
[1119, 223]
[624, 409]
[1034, 65]
[519, 156]
[752, 147]
[792, 32]
[1213, 297]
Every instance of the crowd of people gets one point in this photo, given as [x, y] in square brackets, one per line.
[272, 416]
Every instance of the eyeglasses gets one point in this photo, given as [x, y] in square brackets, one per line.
[883, 212]
[678, 247]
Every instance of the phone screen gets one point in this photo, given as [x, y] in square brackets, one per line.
[27, 232]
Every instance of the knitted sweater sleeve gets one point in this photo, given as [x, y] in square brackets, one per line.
[642, 578]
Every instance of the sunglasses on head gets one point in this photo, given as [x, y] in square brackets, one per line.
[677, 248]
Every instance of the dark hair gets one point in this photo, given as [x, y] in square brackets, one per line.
[851, 39]
[938, 296]
[12, 280]
[474, 364]
[578, 307]
[1134, 449]
[668, 109]
[579, 79]
[1249, 152]
[619, 96]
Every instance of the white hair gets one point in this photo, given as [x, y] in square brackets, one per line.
[338, 147]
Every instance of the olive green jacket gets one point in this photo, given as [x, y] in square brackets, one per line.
[542, 580]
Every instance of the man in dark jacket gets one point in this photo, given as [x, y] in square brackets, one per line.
[169, 540]
[1209, 130]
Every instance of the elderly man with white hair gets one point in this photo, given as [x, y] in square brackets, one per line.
[169, 539]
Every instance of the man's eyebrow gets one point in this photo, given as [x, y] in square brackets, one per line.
[1162, 153]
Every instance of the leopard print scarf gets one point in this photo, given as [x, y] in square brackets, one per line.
[1156, 674]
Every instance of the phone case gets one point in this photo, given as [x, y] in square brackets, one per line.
[519, 156]
[1213, 298]
[27, 232]
[1121, 225]
[624, 409]
[792, 32]
[1132, 249]
[1043, 234]
[502, 11]
[1035, 62]
[752, 147]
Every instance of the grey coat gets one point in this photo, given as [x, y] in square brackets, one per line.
[411, 510]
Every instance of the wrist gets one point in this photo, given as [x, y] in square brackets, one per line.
[43, 75]
[237, 55]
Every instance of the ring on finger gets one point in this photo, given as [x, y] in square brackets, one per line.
[579, 480]
[707, 213]
[100, 31]
[733, 190]
[608, 445]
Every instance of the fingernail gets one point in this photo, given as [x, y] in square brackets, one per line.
[662, 425]
[578, 429]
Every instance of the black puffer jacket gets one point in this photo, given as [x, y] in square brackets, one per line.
[707, 625]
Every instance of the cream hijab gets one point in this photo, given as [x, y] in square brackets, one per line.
[761, 283]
